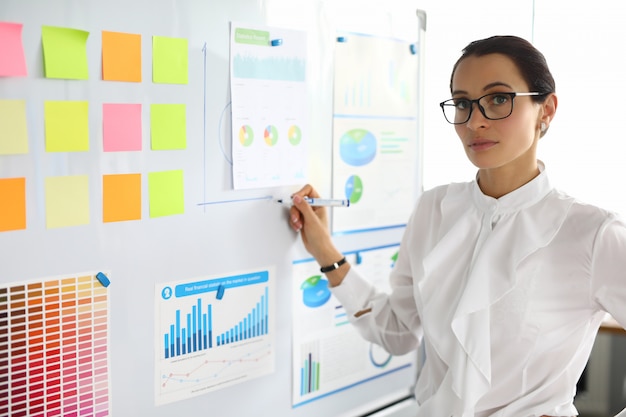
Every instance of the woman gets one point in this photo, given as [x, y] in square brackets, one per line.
[504, 279]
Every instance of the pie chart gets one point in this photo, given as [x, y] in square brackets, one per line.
[270, 135]
[246, 135]
[357, 147]
[315, 292]
[354, 189]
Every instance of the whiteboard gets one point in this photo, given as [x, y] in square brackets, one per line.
[221, 231]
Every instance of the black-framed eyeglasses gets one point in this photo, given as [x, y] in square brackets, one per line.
[494, 106]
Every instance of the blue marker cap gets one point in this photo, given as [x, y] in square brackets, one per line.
[220, 292]
[103, 279]
[276, 42]
[413, 48]
[342, 39]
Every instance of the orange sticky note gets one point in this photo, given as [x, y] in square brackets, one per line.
[121, 56]
[12, 61]
[12, 204]
[121, 197]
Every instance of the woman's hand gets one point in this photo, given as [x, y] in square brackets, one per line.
[312, 223]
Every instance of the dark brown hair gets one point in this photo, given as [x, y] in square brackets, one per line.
[528, 59]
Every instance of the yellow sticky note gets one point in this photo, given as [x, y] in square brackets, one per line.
[65, 53]
[166, 193]
[13, 206]
[13, 130]
[121, 56]
[66, 126]
[67, 201]
[170, 60]
[168, 126]
[121, 197]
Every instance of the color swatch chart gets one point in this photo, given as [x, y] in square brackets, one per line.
[54, 348]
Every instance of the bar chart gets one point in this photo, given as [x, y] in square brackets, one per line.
[195, 336]
[253, 325]
[310, 370]
[211, 333]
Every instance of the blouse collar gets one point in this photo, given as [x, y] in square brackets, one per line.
[521, 198]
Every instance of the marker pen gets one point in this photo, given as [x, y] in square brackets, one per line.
[318, 202]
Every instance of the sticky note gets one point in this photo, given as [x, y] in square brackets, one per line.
[67, 201]
[12, 61]
[170, 60]
[121, 56]
[121, 197]
[13, 206]
[66, 126]
[168, 126]
[13, 127]
[166, 193]
[65, 53]
[121, 127]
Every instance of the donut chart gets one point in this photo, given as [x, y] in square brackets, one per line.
[294, 134]
[357, 147]
[246, 135]
[270, 135]
[354, 189]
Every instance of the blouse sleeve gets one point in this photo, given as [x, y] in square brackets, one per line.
[608, 283]
[393, 321]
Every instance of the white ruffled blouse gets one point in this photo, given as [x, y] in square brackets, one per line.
[507, 295]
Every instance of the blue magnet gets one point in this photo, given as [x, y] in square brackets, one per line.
[103, 279]
[220, 292]
[359, 258]
[342, 39]
[413, 48]
[276, 42]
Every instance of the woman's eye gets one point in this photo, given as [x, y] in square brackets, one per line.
[462, 104]
[498, 99]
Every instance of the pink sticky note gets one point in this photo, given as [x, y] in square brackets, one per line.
[121, 130]
[12, 62]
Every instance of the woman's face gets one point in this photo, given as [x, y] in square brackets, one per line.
[492, 144]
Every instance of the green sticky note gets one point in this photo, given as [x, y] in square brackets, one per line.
[166, 193]
[13, 127]
[170, 60]
[66, 126]
[67, 201]
[168, 126]
[65, 53]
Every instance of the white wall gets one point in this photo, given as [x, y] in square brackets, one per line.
[584, 150]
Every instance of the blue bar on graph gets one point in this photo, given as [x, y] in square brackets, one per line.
[210, 327]
[185, 344]
[177, 332]
[198, 336]
[167, 346]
